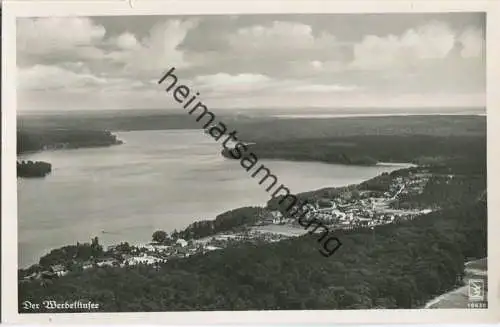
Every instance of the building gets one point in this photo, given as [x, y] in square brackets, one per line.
[276, 214]
[35, 275]
[106, 262]
[269, 220]
[148, 260]
[59, 270]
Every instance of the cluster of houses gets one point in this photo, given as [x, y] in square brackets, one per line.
[49, 273]
[364, 210]
[413, 184]
[154, 253]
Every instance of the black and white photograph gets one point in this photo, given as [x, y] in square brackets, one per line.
[250, 162]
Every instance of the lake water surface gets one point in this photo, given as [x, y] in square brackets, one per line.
[155, 180]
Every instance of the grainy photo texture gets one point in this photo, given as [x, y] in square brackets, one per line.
[251, 162]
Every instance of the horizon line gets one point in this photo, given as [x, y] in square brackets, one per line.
[424, 108]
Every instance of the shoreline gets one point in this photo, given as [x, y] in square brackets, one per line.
[323, 116]
[393, 166]
[190, 243]
[174, 110]
[148, 242]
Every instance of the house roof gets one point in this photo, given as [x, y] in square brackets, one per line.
[57, 267]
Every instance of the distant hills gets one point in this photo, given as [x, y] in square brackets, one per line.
[269, 112]
[261, 124]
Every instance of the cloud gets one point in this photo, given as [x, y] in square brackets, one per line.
[279, 38]
[226, 85]
[41, 77]
[158, 50]
[310, 68]
[231, 83]
[316, 64]
[254, 59]
[434, 40]
[288, 49]
[54, 40]
[43, 36]
[280, 33]
[52, 78]
[72, 56]
[125, 41]
[425, 42]
[320, 88]
[473, 43]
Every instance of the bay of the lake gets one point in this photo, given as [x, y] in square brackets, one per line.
[155, 180]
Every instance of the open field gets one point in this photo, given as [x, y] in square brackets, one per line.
[281, 229]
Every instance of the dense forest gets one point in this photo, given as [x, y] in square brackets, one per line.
[370, 149]
[443, 191]
[227, 221]
[256, 126]
[67, 256]
[399, 265]
[33, 168]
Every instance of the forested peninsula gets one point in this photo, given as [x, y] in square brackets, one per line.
[41, 139]
[38, 140]
[367, 149]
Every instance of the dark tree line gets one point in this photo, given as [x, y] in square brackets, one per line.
[224, 222]
[67, 256]
[262, 128]
[36, 140]
[370, 149]
[33, 168]
[443, 191]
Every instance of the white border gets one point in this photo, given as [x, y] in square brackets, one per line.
[13, 9]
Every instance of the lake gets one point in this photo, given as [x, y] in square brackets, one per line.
[155, 180]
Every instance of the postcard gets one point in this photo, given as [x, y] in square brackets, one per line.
[264, 162]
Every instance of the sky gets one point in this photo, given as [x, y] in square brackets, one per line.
[253, 61]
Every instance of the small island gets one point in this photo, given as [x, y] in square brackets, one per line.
[33, 169]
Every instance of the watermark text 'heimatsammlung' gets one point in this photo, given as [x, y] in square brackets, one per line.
[249, 160]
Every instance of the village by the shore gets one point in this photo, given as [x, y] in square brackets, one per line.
[366, 209]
